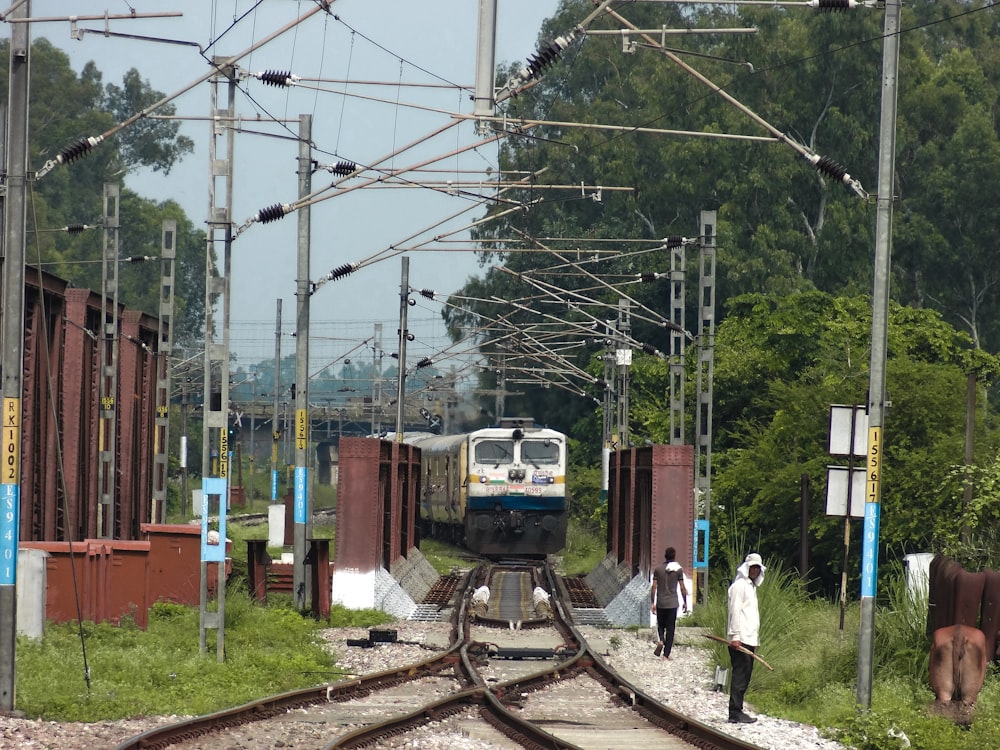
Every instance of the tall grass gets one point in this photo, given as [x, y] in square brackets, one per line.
[800, 639]
[902, 648]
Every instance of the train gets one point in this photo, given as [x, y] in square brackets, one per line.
[497, 491]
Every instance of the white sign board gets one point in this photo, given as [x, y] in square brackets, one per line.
[841, 419]
[836, 491]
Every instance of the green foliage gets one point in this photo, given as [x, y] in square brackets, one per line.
[979, 549]
[65, 107]
[273, 649]
[901, 644]
[901, 707]
[780, 363]
[797, 635]
[793, 275]
[782, 228]
[445, 558]
[585, 548]
[587, 506]
[161, 670]
[342, 617]
[324, 496]
[973, 540]
[149, 142]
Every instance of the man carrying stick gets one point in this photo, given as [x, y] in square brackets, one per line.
[743, 632]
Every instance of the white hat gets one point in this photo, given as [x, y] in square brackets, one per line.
[752, 559]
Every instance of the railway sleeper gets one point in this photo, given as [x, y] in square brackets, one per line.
[529, 653]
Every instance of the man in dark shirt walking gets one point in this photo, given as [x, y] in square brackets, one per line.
[668, 577]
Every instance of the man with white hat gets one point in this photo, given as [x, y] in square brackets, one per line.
[743, 632]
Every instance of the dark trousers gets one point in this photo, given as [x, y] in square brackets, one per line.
[740, 680]
[666, 625]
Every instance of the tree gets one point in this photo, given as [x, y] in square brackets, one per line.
[780, 363]
[783, 227]
[148, 143]
[946, 251]
[65, 107]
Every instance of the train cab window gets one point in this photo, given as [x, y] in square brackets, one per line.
[494, 452]
[539, 452]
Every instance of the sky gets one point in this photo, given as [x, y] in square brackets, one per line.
[395, 43]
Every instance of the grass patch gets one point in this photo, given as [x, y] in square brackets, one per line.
[162, 671]
[585, 548]
[446, 558]
[240, 532]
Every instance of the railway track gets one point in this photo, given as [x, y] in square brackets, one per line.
[516, 673]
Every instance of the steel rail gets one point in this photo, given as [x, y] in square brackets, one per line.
[684, 727]
[494, 704]
[492, 709]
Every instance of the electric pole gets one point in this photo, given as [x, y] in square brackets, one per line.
[302, 509]
[215, 399]
[404, 303]
[13, 341]
[107, 441]
[276, 404]
[880, 325]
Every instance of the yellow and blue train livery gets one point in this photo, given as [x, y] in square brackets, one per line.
[499, 491]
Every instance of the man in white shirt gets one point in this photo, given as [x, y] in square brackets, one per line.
[743, 632]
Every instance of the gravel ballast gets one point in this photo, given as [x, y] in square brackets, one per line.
[684, 683]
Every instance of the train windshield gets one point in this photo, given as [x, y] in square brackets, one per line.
[495, 452]
[539, 452]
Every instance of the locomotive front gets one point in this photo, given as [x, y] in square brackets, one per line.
[516, 492]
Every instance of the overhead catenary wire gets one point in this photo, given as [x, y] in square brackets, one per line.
[537, 351]
[535, 348]
[663, 322]
[273, 77]
[76, 150]
[553, 295]
[579, 326]
[317, 195]
[394, 250]
[348, 268]
[822, 5]
[545, 56]
[525, 122]
[823, 164]
[483, 199]
[283, 209]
